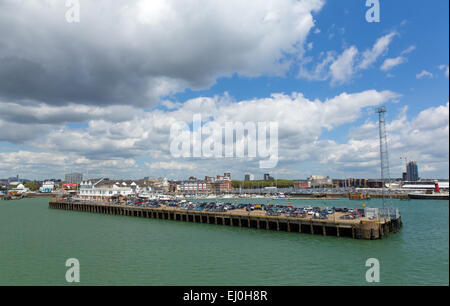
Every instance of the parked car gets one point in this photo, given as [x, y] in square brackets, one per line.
[348, 217]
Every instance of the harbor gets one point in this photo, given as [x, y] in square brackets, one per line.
[148, 252]
[368, 224]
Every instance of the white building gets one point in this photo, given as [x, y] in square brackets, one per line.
[89, 191]
[47, 187]
[318, 181]
[19, 189]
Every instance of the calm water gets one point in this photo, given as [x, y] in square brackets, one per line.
[36, 241]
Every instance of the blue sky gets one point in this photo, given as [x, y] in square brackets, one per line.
[91, 101]
[418, 23]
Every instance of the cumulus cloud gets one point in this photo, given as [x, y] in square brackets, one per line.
[341, 69]
[54, 164]
[425, 138]
[424, 74]
[147, 134]
[109, 148]
[136, 51]
[18, 133]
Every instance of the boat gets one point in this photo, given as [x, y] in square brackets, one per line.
[358, 196]
[280, 196]
[433, 196]
[436, 194]
[147, 195]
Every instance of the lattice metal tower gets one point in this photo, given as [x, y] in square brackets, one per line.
[384, 155]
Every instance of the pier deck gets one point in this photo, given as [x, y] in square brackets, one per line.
[362, 228]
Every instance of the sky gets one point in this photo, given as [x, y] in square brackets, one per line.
[99, 89]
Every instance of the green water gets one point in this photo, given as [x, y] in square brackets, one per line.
[35, 243]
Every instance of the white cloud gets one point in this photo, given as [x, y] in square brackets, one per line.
[137, 51]
[390, 63]
[54, 164]
[342, 69]
[425, 138]
[106, 148]
[320, 72]
[103, 144]
[380, 48]
[408, 50]
[48, 114]
[424, 74]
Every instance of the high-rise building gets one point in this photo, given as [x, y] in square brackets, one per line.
[73, 178]
[412, 171]
[249, 177]
[267, 177]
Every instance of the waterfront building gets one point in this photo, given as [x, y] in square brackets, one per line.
[173, 187]
[194, 187]
[223, 186]
[210, 179]
[19, 189]
[412, 171]
[73, 178]
[302, 184]
[352, 183]
[225, 177]
[161, 185]
[47, 187]
[320, 181]
[374, 183]
[106, 192]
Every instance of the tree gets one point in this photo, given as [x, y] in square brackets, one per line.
[31, 185]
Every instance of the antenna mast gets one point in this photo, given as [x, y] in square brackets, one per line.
[384, 155]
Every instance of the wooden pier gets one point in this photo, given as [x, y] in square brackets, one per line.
[357, 229]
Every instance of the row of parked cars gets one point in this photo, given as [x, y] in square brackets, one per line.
[271, 210]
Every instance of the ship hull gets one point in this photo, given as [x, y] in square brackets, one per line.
[429, 196]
